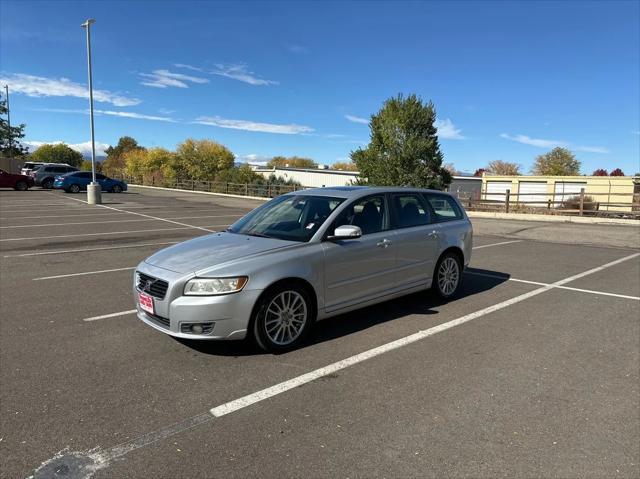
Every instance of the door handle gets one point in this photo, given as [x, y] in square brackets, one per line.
[384, 243]
[433, 234]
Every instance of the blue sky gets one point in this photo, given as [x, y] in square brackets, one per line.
[510, 80]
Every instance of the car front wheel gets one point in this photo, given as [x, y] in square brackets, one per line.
[448, 275]
[21, 186]
[47, 184]
[116, 189]
[282, 318]
[74, 189]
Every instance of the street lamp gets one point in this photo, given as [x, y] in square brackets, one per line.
[94, 196]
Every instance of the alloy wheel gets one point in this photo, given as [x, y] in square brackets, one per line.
[285, 317]
[448, 276]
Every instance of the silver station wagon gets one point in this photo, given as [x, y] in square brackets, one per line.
[302, 257]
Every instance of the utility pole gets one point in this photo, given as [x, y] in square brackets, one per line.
[94, 195]
[6, 94]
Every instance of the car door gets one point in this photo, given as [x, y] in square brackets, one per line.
[416, 239]
[105, 183]
[357, 270]
[5, 179]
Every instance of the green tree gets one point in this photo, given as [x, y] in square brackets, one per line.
[10, 145]
[240, 174]
[202, 159]
[57, 153]
[404, 148]
[291, 162]
[503, 168]
[557, 162]
[86, 166]
[115, 162]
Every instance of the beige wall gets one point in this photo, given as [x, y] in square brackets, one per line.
[11, 166]
[602, 189]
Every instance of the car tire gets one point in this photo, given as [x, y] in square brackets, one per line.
[47, 184]
[21, 186]
[116, 189]
[283, 318]
[447, 275]
[74, 189]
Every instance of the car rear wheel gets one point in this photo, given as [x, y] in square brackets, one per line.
[282, 318]
[21, 186]
[116, 189]
[448, 275]
[74, 189]
[47, 184]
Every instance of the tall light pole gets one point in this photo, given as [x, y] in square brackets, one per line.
[6, 95]
[94, 195]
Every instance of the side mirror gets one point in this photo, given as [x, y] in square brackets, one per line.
[346, 232]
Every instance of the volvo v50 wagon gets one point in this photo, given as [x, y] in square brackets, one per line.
[302, 257]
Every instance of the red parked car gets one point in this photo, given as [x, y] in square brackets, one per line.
[17, 182]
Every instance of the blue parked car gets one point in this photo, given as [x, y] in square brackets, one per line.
[78, 180]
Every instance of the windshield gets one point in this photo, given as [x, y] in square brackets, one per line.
[293, 218]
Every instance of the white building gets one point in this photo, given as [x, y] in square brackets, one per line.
[312, 177]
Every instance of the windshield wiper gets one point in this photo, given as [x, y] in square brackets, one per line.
[258, 235]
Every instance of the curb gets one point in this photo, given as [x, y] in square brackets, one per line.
[552, 218]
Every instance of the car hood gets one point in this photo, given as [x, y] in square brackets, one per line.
[211, 250]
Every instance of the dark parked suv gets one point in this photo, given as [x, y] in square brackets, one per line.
[45, 175]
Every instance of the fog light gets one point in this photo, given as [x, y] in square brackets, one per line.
[196, 329]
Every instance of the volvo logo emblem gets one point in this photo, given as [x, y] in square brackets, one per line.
[147, 285]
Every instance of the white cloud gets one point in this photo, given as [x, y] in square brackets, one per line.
[236, 71]
[592, 149]
[541, 143]
[36, 86]
[165, 78]
[131, 114]
[84, 148]
[253, 159]
[357, 119]
[448, 131]
[297, 49]
[123, 114]
[239, 72]
[289, 129]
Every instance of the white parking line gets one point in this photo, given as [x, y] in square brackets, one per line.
[496, 244]
[104, 458]
[119, 221]
[184, 210]
[148, 216]
[112, 315]
[82, 250]
[83, 273]
[569, 288]
[115, 233]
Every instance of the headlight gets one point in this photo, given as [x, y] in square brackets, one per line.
[212, 286]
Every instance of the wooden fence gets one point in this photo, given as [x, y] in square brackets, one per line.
[581, 204]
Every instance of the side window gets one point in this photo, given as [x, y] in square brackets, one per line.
[444, 207]
[368, 213]
[59, 169]
[100, 176]
[410, 211]
[86, 174]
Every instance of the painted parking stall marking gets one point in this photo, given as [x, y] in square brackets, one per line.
[95, 459]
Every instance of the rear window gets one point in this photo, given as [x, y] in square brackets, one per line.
[444, 207]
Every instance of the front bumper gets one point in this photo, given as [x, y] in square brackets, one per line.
[229, 313]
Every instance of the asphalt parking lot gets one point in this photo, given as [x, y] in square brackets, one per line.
[534, 371]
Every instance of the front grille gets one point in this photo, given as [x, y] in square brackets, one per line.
[152, 286]
[159, 319]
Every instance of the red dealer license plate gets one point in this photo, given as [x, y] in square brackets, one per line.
[146, 302]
